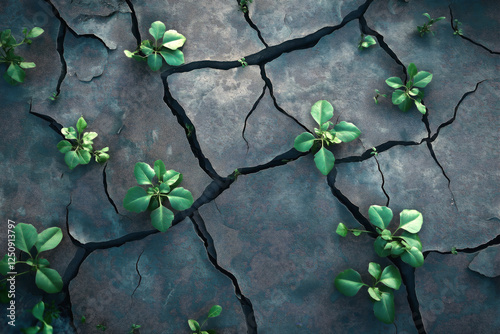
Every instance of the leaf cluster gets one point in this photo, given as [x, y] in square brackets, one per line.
[15, 73]
[133, 327]
[78, 148]
[426, 28]
[244, 5]
[406, 245]
[166, 187]
[243, 62]
[45, 316]
[366, 41]
[165, 46]
[322, 112]
[456, 30]
[349, 282]
[46, 278]
[408, 94]
[196, 327]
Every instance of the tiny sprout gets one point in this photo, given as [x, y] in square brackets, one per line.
[426, 28]
[133, 328]
[454, 250]
[244, 5]
[374, 151]
[366, 41]
[243, 62]
[457, 30]
[54, 96]
[83, 319]
[379, 94]
[101, 327]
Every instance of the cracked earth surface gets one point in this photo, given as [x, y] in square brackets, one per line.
[261, 242]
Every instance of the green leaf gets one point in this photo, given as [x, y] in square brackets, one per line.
[173, 40]
[369, 40]
[194, 325]
[325, 126]
[380, 216]
[412, 70]
[35, 32]
[81, 125]
[64, 146]
[398, 96]
[146, 50]
[154, 62]
[172, 57]
[47, 329]
[406, 104]
[346, 131]
[160, 170]
[384, 309]
[144, 174]
[420, 107]
[342, 230]
[304, 142]
[164, 188]
[38, 310]
[16, 72]
[31, 330]
[4, 265]
[410, 220]
[27, 65]
[349, 282]
[136, 200]
[324, 160]
[180, 199]
[161, 218]
[157, 30]
[379, 246]
[397, 248]
[394, 82]
[412, 240]
[88, 137]
[128, 53]
[48, 280]
[49, 239]
[26, 237]
[375, 270]
[102, 158]
[391, 277]
[172, 178]
[72, 159]
[214, 311]
[69, 133]
[84, 156]
[422, 79]
[414, 92]
[374, 293]
[427, 15]
[413, 257]
[322, 111]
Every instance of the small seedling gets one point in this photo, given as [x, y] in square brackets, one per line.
[78, 148]
[379, 94]
[457, 30]
[322, 112]
[139, 200]
[45, 317]
[243, 62]
[54, 96]
[101, 327]
[83, 319]
[407, 245]
[454, 250]
[244, 5]
[349, 282]
[15, 73]
[374, 151]
[133, 328]
[46, 278]
[196, 327]
[426, 28]
[411, 94]
[366, 41]
[166, 45]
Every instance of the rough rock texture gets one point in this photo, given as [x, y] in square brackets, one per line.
[487, 262]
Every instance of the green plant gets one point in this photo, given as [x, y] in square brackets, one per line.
[244, 5]
[133, 328]
[78, 148]
[54, 96]
[426, 28]
[349, 282]
[46, 278]
[45, 316]
[454, 250]
[410, 94]
[15, 72]
[101, 327]
[456, 29]
[407, 245]
[379, 94]
[243, 62]
[83, 319]
[166, 45]
[322, 112]
[374, 151]
[196, 327]
[366, 41]
[139, 200]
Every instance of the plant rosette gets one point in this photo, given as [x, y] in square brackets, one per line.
[215, 311]
[166, 188]
[322, 112]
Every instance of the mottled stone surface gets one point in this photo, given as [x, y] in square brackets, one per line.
[159, 283]
[454, 299]
[487, 262]
[86, 57]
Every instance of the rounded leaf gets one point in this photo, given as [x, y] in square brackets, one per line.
[81, 125]
[38, 310]
[172, 178]
[64, 146]
[412, 240]
[384, 309]
[349, 282]
[391, 277]
[154, 61]
[84, 156]
[379, 246]
[194, 325]
[420, 107]
[324, 160]
[26, 237]
[374, 293]
[346, 131]
[398, 96]
[380, 216]
[304, 142]
[160, 170]
[214, 311]
[180, 199]
[375, 270]
[413, 257]
[48, 280]
[16, 72]
[412, 70]
[49, 239]
[136, 200]
[342, 230]
[173, 40]
[406, 104]
[72, 159]
[143, 173]
[394, 82]
[172, 57]
[411, 220]
[27, 65]
[35, 32]
[422, 79]
[164, 188]
[322, 111]
[157, 29]
[161, 218]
